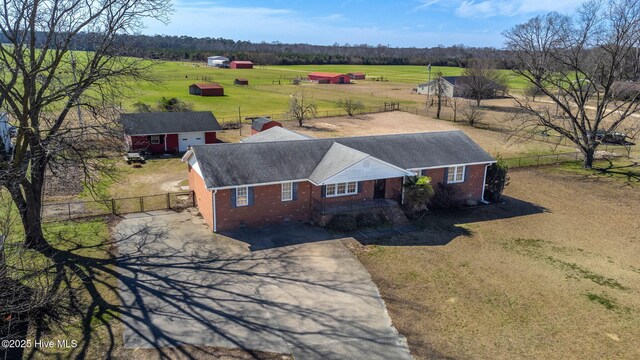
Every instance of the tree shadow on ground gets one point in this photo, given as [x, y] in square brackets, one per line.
[184, 280]
[439, 228]
[630, 172]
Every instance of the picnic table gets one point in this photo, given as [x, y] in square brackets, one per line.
[134, 157]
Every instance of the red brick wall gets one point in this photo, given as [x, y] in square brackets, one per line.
[471, 187]
[393, 189]
[202, 196]
[210, 137]
[267, 208]
[366, 193]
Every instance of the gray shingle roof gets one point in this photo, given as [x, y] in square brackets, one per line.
[168, 122]
[226, 165]
[275, 134]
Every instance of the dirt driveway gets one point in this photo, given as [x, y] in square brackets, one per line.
[287, 290]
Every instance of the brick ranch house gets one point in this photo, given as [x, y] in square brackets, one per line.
[271, 182]
[169, 132]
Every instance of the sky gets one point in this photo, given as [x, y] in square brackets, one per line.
[397, 23]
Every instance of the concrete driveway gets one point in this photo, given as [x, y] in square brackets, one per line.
[288, 290]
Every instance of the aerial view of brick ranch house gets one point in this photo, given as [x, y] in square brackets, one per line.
[272, 182]
[169, 132]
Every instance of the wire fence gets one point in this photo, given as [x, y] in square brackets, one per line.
[59, 211]
[229, 121]
[539, 160]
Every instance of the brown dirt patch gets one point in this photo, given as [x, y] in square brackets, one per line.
[553, 273]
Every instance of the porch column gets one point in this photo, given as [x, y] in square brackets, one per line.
[165, 142]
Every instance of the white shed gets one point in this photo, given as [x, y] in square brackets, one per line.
[217, 61]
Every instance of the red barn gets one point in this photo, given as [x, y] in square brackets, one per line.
[356, 75]
[262, 124]
[169, 132]
[241, 64]
[329, 78]
[206, 89]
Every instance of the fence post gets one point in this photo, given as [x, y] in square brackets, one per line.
[168, 201]
[113, 206]
[141, 204]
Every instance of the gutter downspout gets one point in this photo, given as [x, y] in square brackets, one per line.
[213, 204]
[484, 184]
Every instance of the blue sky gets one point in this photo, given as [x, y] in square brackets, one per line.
[418, 23]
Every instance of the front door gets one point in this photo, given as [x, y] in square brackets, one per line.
[378, 188]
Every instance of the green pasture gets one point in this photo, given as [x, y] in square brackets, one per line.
[265, 95]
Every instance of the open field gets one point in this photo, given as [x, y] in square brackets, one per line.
[552, 273]
[262, 96]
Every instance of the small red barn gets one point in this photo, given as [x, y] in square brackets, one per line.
[329, 78]
[241, 64]
[206, 89]
[262, 124]
[241, 81]
[356, 75]
[169, 132]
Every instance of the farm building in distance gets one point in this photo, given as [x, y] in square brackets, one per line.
[241, 81]
[241, 64]
[262, 124]
[169, 132]
[206, 89]
[329, 78]
[218, 61]
[356, 75]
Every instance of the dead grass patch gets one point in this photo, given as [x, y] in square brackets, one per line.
[552, 273]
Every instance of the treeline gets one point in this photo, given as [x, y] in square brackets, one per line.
[188, 48]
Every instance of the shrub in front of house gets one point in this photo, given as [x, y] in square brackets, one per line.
[343, 223]
[447, 197]
[367, 220]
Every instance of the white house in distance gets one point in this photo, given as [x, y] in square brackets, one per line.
[218, 61]
[5, 134]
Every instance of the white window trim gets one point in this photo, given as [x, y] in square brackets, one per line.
[286, 195]
[151, 139]
[346, 189]
[455, 173]
[246, 196]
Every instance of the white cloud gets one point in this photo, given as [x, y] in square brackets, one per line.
[425, 4]
[489, 8]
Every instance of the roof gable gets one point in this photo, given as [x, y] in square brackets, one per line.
[338, 158]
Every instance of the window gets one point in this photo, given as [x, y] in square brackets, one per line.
[342, 189]
[242, 196]
[456, 174]
[155, 139]
[287, 191]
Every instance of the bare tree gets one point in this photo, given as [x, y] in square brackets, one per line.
[440, 88]
[455, 103]
[302, 108]
[43, 82]
[350, 105]
[472, 113]
[481, 81]
[575, 62]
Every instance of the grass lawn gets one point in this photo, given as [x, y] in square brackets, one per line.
[552, 273]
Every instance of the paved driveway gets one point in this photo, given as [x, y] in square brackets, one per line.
[286, 290]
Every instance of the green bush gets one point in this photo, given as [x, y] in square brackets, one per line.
[367, 220]
[497, 180]
[343, 223]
